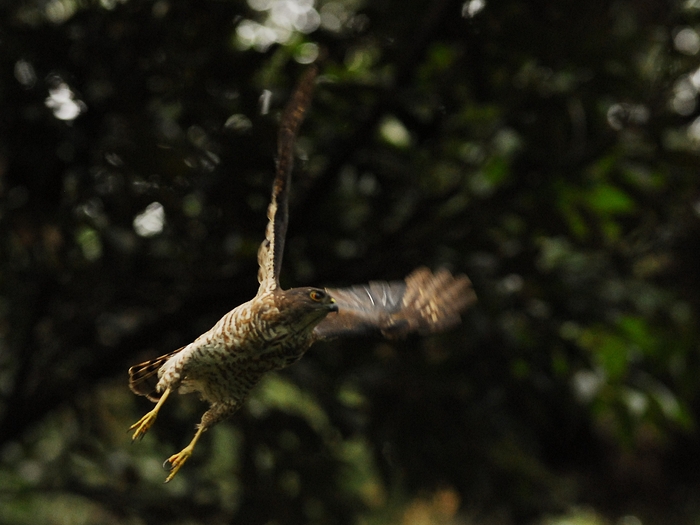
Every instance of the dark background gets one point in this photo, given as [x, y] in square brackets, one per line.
[549, 149]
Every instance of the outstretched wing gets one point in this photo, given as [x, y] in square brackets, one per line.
[424, 302]
[272, 248]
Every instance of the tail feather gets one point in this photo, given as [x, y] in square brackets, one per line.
[143, 377]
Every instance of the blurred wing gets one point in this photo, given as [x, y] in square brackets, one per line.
[272, 248]
[423, 303]
[143, 377]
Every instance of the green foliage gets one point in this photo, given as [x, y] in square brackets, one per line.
[548, 150]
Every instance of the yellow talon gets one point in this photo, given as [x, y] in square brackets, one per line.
[142, 425]
[177, 460]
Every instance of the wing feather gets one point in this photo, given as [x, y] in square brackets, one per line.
[424, 302]
[272, 248]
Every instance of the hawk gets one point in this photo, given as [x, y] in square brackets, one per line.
[276, 327]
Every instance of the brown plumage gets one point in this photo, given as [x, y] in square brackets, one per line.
[423, 303]
[276, 327]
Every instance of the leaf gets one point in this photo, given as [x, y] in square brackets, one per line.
[606, 198]
[609, 349]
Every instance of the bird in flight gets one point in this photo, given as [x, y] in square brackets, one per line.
[276, 327]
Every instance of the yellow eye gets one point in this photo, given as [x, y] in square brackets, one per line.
[317, 295]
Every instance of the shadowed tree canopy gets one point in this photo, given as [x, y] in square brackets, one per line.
[550, 150]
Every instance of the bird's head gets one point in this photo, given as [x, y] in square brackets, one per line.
[306, 307]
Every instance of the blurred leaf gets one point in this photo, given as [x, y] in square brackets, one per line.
[604, 198]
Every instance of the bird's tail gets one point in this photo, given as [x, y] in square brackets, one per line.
[143, 377]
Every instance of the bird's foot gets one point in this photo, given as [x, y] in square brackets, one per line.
[176, 461]
[142, 425]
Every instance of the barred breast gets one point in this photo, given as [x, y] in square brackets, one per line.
[228, 359]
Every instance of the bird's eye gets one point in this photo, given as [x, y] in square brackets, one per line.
[317, 295]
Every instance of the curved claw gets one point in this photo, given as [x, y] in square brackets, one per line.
[142, 425]
[176, 461]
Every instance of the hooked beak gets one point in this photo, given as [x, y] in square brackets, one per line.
[333, 307]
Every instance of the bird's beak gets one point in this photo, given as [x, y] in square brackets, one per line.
[333, 307]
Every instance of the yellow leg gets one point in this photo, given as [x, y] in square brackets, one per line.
[142, 425]
[177, 460]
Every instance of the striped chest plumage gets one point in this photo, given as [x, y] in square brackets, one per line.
[226, 361]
